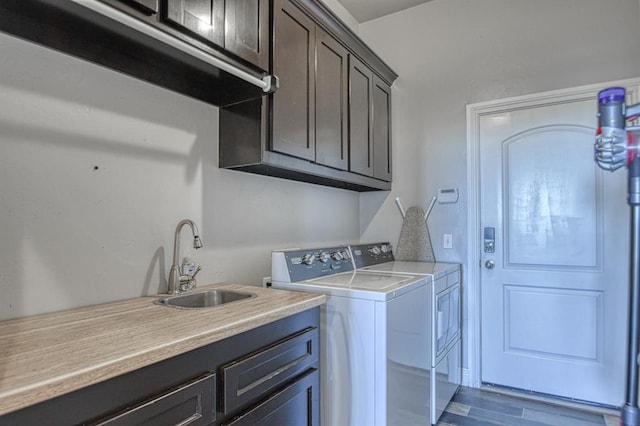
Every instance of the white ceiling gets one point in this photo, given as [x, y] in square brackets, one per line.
[366, 10]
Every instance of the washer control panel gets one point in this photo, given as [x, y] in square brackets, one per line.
[305, 264]
[372, 254]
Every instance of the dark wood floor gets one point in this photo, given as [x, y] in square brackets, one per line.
[475, 407]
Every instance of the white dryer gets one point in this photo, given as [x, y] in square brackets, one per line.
[372, 323]
[445, 372]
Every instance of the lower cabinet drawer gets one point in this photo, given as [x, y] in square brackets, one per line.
[190, 404]
[298, 404]
[249, 379]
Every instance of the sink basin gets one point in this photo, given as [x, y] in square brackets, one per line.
[203, 299]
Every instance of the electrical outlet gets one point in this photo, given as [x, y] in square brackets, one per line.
[447, 241]
[266, 281]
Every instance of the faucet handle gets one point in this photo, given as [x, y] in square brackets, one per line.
[188, 281]
[187, 284]
[198, 269]
[192, 281]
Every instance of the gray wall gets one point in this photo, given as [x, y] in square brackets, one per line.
[450, 53]
[71, 235]
[338, 9]
[97, 169]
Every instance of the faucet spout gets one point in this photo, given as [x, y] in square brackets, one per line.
[174, 273]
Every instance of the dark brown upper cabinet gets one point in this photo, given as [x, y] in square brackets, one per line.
[204, 18]
[310, 108]
[360, 118]
[246, 30]
[331, 124]
[293, 63]
[239, 26]
[381, 129]
[148, 7]
[175, 44]
[369, 122]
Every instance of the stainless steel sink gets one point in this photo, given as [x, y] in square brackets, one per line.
[203, 299]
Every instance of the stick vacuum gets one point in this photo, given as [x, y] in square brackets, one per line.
[617, 146]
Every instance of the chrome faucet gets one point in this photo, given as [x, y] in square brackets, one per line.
[178, 280]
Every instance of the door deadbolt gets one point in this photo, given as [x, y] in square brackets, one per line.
[489, 240]
[489, 264]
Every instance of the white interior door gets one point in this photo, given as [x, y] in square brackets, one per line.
[554, 305]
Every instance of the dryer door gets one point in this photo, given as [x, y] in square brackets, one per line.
[447, 320]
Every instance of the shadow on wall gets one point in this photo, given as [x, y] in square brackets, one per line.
[98, 168]
[93, 163]
[246, 216]
[370, 205]
[71, 222]
[157, 264]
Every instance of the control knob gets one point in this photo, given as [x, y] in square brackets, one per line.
[384, 248]
[336, 255]
[308, 258]
[324, 257]
[375, 250]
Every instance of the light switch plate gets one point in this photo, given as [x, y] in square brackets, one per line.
[447, 241]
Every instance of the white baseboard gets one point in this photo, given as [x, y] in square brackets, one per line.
[466, 377]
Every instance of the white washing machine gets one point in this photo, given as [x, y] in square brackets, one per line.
[374, 329]
[444, 298]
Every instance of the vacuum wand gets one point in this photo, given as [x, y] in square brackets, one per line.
[617, 146]
[630, 412]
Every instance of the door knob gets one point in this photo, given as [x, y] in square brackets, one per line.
[489, 264]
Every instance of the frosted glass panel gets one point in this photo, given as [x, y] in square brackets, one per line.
[551, 205]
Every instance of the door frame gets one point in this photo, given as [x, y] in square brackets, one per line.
[472, 375]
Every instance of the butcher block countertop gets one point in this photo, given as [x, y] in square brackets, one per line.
[45, 356]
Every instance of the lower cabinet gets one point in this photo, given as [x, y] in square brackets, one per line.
[259, 373]
[190, 404]
[267, 376]
[295, 404]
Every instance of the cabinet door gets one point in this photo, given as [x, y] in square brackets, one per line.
[296, 404]
[381, 129]
[246, 30]
[204, 18]
[147, 6]
[293, 118]
[256, 375]
[331, 130]
[360, 117]
[191, 404]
